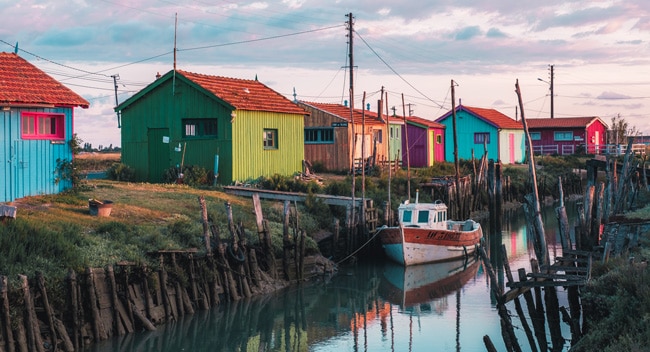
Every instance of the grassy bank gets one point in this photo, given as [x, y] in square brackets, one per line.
[56, 232]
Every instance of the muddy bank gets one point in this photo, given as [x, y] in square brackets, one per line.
[100, 303]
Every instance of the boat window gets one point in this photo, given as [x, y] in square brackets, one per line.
[423, 216]
[406, 217]
[435, 218]
[441, 216]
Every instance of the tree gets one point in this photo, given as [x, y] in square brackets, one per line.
[619, 130]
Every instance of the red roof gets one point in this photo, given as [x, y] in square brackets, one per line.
[22, 83]
[425, 122]
[563, 122]
[244, 94]
[343, 112]
[495, 117]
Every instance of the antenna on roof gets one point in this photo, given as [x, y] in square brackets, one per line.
[174, 76]
[16, 49]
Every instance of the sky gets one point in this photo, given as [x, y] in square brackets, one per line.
[414, 50]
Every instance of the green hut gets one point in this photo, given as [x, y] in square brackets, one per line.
[239, 129]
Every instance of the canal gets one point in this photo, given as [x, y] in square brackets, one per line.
[367, 307]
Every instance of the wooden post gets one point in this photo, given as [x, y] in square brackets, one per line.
[99, 332]
[206, 225]
[509, 335]
[518, 308]
[48, 309]
[34, 339]
[538, 225]
[7, 334]
[498, 195]
[562, 217]
[74, 309]
[286, 241]
[492, 199]
[536, 319]
[117, 325]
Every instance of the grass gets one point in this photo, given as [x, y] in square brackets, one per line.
[55, 232]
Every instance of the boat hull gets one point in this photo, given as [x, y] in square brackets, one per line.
[413, 245]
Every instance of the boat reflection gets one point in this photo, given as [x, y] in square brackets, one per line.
[417, 286]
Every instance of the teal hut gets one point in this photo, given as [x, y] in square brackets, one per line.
[36, 116]
[503, 136]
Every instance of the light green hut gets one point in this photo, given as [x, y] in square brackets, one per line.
[239, 129]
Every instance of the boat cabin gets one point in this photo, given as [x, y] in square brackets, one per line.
[426, 215]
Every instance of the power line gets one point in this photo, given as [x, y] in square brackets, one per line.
[259, 39]
[393, 70]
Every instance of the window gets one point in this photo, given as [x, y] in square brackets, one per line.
[423, 216]
[482, 137]
[377, 135]
[35, 125]
[535, 136]
[563, 136]
[439, 139]
[270, 139]
[406, 217]
[198, 128]
[319, 135]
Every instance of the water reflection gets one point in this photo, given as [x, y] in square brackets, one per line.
[369, 307]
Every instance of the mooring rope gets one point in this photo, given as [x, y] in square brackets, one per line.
[358, 249]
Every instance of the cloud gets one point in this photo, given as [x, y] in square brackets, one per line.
[495, 33]
[467, 33]
[612, 96]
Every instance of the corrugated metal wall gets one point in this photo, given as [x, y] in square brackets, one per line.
[166, 106]
[466, 126]
[251, 159]
[30, 165]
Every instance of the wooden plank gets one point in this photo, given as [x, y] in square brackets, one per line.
[556, 268]
[290, 196]
[547, 283]
[556, 277]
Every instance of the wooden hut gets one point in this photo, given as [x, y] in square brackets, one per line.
[329, 133]
[568, 135]
[239, 129]
[476, 127]
[37, 129]
[426, 140]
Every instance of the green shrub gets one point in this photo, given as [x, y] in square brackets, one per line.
[120, 172]
[192, 175]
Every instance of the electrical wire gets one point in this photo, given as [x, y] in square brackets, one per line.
[393, 70]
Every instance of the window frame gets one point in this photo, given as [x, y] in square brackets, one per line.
[535, 136]
[563, 135]
[480, 137]
[35, 129]
[320, 134]
[270, 132]
[200, 126]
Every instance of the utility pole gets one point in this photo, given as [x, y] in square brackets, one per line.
[354, 135]
[459, 216]
[351, 62]
[552, 95]
[115, 78]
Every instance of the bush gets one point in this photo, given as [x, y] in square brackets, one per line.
[193, 175]
[120, 172]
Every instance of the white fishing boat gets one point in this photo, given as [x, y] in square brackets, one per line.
[425, 235]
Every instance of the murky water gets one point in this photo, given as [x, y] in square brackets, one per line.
[370, 307]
